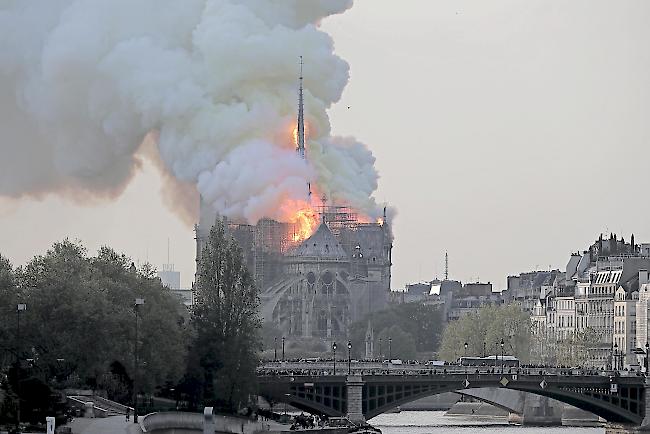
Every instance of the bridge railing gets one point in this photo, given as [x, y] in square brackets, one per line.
[326, 369]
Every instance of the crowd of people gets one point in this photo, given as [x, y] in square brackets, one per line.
[301, 421]
[446, 369]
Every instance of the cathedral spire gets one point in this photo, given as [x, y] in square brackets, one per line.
[300, 149]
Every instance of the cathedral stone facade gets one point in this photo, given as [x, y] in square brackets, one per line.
[314, 289]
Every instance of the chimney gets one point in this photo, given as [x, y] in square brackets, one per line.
[643, 277]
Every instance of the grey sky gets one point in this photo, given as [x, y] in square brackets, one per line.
[509, 133]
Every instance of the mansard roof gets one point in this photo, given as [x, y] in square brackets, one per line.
[322, 245]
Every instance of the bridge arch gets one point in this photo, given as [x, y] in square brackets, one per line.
[379, 400]
[615, 399]
[511, 407]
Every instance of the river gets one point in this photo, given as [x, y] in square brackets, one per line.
[434, 422]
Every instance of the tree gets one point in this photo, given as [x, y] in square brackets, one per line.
[162, 333]
[80, 319]
[421, 324]
[572, 350]
[225, 322]
[484, 330]
[402, 344]
[8, 302]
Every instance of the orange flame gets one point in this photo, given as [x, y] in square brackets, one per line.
[302, 218]
[294, 132]
[305, 222]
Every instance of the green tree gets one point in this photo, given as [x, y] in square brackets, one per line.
[80, 320]
[570, 351]
[226, 326]
[402, 344]
[7, 339]
[8, 302]
[484, 330]
[162, 323]
[421, 323]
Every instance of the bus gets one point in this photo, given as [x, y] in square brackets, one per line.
[497, 361]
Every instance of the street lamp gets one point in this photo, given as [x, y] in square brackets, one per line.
[390, 348]
[465, 349]
[19, 308]
[502, 355]
[334, 351]
[283, 348]
[288, 395]
[138, 302]
[349, 357]
[175, 395]
[275, 349]
[615, 356]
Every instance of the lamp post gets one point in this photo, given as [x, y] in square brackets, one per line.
[60, 367]
[390, 348]
[349, 357]
[19, 308]
[275, 349]
[334, 351]
[288, 395]
[138, 302]
[615, 356]
[175, 395]
[502, 343]
[283, 348]
[465, 349]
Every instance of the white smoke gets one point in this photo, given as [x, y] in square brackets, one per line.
[82, 82]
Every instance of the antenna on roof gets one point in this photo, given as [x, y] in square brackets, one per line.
[446, 266]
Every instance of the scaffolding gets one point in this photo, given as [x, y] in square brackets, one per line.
[266, 244]
[338, 217]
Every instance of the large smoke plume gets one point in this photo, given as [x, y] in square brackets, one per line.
[212, 83]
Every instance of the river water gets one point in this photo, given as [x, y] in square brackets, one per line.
[435, 422]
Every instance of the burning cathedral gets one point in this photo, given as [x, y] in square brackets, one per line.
[318, 275]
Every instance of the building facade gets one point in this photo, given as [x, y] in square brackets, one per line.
[314, 288]
[642, 310]
[598, 297]
[624, 335]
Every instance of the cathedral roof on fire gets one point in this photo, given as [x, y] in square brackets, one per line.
[322, 244]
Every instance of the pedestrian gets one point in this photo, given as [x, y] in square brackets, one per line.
[128, 413]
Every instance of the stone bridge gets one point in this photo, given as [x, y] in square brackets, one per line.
[370, 389]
